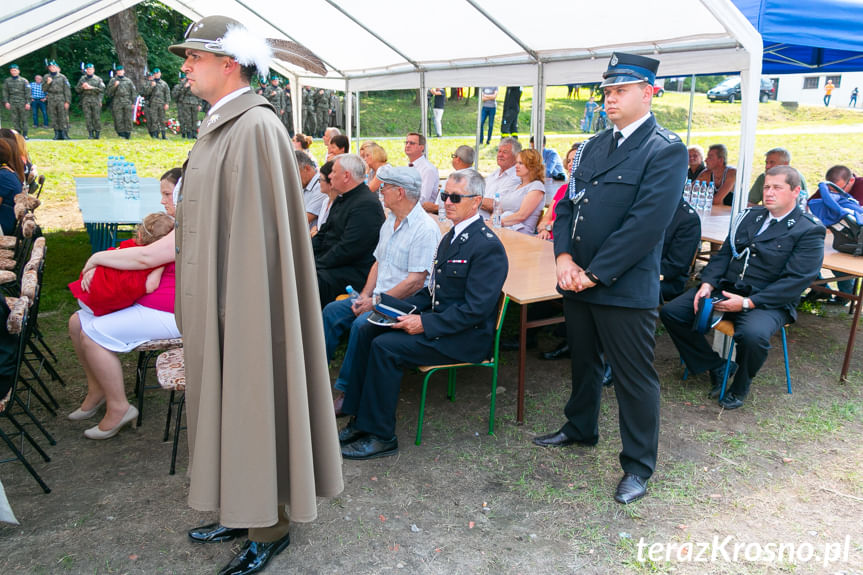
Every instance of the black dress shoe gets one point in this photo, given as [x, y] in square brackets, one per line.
[215, 533]
[254, 556]
[731, 401]
[560, 352]
[607, 377]
[370, 447]
[631, 488]
[716, 375]
[560, 439]
[350, 433]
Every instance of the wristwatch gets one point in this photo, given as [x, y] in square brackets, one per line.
[747, 304]
[548, 228]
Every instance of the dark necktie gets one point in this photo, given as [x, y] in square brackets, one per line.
[614, 141]
[411, 165]
[770, 225]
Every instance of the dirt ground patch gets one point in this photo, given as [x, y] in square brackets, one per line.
[784, 469]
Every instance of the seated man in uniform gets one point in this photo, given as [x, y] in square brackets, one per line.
[403, 259]
[769, 258]
[345, 243]
[682, 237]
[455, 322]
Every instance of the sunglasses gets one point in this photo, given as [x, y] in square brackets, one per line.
[455, 198]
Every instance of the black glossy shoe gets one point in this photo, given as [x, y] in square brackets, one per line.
[254, 556]
[716, 375]
[350, 433]
[215, 533]
[631, 488]
[730, 401]
[607, 377]
[560, 352]
[370, 447]
[560, 439]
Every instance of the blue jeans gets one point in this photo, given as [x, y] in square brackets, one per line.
[487, 113]
[339, 318]
[37, 105]
[588, 122]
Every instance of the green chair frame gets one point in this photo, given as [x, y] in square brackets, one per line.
[493, 363]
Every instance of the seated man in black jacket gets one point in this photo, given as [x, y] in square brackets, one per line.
[682, 237]
[455, 323]
[776, 253]
[344, 246]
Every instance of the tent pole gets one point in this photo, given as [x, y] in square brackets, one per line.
[539, 108]
[691, 101]
[478, 142]
[358, 117]
[298, 109]
[424, 109]
[348, 112]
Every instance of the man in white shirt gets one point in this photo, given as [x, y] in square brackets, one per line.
[415, 149]
[503, 179]
[313, 197]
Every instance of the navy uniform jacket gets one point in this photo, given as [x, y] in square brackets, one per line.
[629, 198]
[682, 238]
[783, 260]
[468, 277]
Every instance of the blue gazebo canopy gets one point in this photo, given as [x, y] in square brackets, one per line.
[816, 35]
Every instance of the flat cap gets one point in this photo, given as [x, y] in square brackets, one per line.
[403, 177]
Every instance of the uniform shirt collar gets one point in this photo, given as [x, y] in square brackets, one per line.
[631, 128]
[227, 98]
[462, 226]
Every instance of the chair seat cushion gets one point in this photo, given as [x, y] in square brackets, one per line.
[160, 344]
[171, 370]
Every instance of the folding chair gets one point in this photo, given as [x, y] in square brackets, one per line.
[147, 353]
[493, 363]
[726, 327]
[171, 372]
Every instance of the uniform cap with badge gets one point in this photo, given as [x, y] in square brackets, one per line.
[626, 68]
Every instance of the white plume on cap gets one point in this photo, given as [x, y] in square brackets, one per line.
[248, 49]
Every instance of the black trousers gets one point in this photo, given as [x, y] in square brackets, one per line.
[373, 385]
[626, 336]
[333, 281]
[752, 332]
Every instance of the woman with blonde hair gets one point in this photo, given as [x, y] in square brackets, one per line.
[521, 207]
[376, 157]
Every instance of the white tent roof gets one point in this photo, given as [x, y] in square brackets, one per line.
[396, 44]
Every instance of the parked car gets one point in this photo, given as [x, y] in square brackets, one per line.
[729, 90]
[658, 91]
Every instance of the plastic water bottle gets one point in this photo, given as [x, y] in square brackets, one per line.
[687, 191]
[353, 295]
[708, 203]
[441, 212]
[496, 214]
[127, 179]
[134, 189]
[802, 198]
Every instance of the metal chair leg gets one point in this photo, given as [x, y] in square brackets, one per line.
[785, 354]
[423, 406]
[727, 370]
[182, 403]
[168, 420]
[20, 457]
[35, 420]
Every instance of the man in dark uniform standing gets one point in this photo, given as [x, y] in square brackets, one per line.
[773, 253]
[624, 188]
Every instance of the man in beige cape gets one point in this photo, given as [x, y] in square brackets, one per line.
[262, 433]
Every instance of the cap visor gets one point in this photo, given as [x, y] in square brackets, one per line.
[180, 49]
[619, 80]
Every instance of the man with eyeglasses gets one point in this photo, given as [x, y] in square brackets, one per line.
[313, 198]
[403, 259]
[503, 180]
[454, 322]
[415, 149]
[463, 157]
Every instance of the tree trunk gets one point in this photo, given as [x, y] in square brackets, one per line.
[130, 46]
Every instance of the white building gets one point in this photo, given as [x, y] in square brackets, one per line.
[808, 89]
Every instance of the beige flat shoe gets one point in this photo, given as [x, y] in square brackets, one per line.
[96, 433]
[80, 415]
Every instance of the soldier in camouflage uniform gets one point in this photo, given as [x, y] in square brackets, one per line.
[288, 117]
[16, 98]
[309, 124]
[91, 87]
[322, 111]
[58, 91]
[188, 106]
[122, 92]
[158, 96]
[275, 96]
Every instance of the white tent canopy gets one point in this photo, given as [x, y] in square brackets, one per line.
[400, 44]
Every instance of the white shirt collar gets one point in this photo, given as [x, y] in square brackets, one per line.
[628, 130]
[462, 226]
[227, 98]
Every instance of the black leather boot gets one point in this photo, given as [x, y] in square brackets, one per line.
[97, 133]
[56, 134]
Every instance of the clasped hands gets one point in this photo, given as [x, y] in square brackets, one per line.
[570, 276]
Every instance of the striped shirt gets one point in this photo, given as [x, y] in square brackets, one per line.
[36, 92]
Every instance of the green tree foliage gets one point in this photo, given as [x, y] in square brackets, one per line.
[159, 25]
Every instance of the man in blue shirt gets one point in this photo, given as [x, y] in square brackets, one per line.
[38, 102]
[551, 159]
